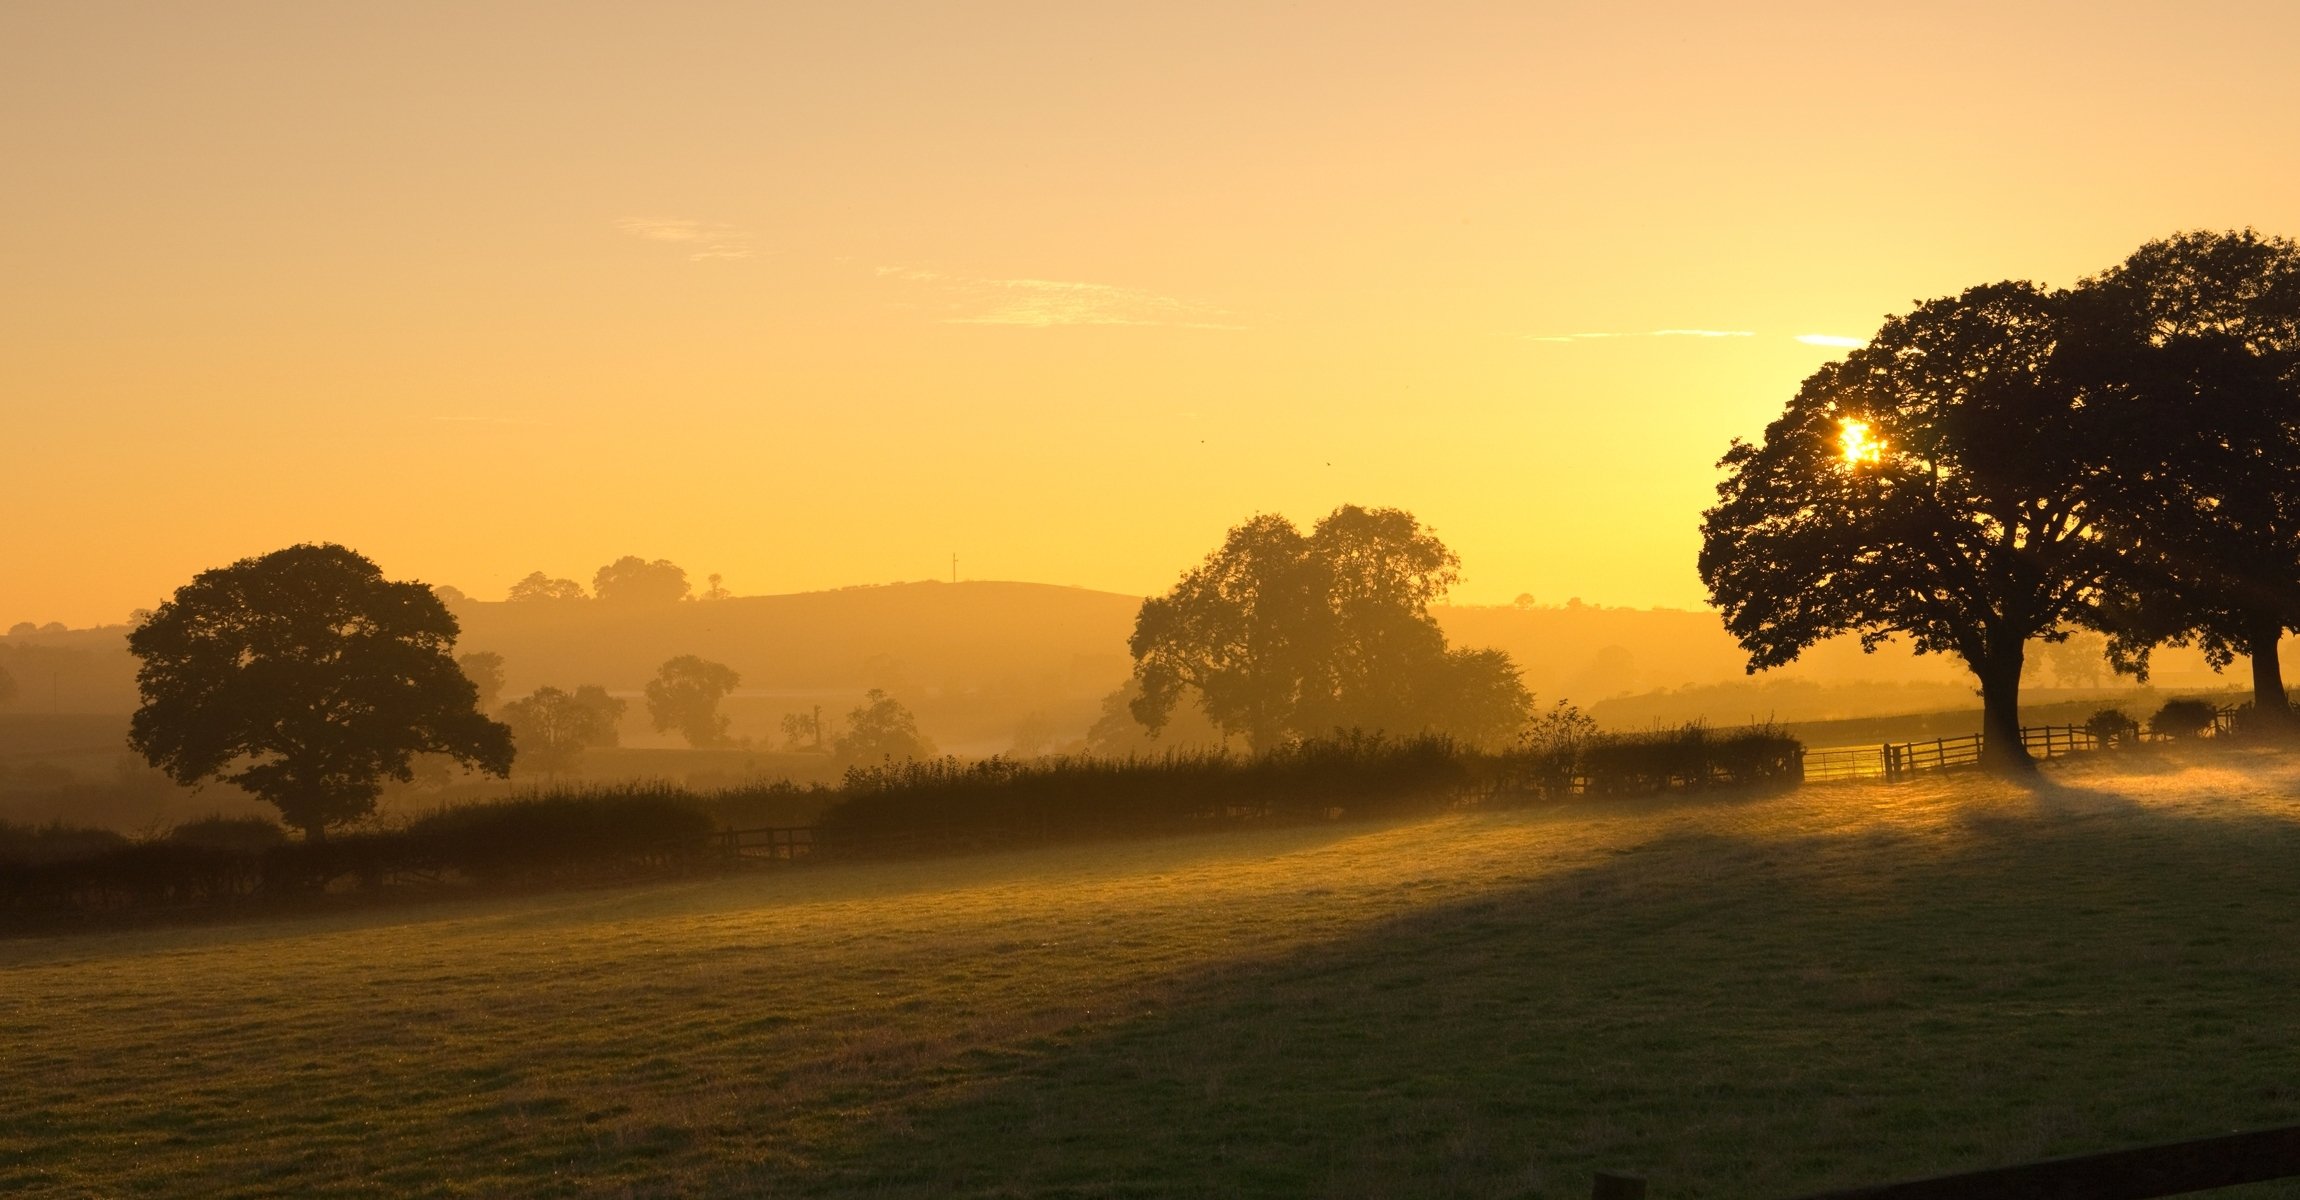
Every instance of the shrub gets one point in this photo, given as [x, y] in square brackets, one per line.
[2183, 719]
[242, 835]
[558, 833]
[54, 842]
[2111, 727]
[1000, 799]
[1689, 757]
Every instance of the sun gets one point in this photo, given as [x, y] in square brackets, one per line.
[1854, 440]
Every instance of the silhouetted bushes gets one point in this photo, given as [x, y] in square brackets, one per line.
[557, 836]
[2180, 719]
[1689, 758]
[601, 834]
[945, 801]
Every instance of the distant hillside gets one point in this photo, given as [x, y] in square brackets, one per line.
[982, 663]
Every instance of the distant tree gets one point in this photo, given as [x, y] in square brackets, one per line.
[803, 731]
[484, 668]
[538, 586]
[685, 695]
[1240, 630]
[717, 590]
[1928, 485]
[1116, 733]
[2079, 662]
[2197, 341]
[881, 728]
[306, 678]
[553, 728]
[633, 580]
[1280, 634]
[23, 629]
[449, 595]
[1477, 696]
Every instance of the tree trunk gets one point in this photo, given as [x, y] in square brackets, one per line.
[2270, 706]
[2001, 748]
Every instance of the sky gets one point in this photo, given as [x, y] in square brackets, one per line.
[817, 295]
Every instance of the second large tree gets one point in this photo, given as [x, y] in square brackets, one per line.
[1934, 484]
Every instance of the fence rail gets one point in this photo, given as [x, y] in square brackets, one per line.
[779, 843]
[2172, 1169]
[1899, 760]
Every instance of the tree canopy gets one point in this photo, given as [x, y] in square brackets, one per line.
[685, 694]
[552, 728]
[307, 678]
[2194, 342]
[881, 728]
[484, 668]
[538, 587]
[1279, 635]
[1933, 484]
[633, 580]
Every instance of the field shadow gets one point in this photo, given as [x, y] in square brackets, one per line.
[1730, 1016]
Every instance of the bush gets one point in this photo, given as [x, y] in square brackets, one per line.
[2183, 719]
[558, 833]
[2111, 727]
[242, 835]
[1689, 757]
[1001, 800]
[54, 843]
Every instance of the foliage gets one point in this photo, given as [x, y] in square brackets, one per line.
[484, 668]
[881, 729]
[803, 731]
[245, 835]
[563, 833]
[1116, 734]
[634, 580]
[553, 728]
[1689, 758]
[1283, 635]
[305, 677]
[2112, 727]
[54, 842]
[2199, 337]
[2183, 719]
[1929, 485]
[685, 694]
[939, 802]
[538, 587]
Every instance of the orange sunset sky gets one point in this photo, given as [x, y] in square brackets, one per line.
[813, 295]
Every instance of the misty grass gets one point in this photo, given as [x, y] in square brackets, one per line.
[1834, 986]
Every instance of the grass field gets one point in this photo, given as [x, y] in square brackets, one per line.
[1735, 998]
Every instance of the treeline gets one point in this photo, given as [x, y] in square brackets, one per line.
[595, 835]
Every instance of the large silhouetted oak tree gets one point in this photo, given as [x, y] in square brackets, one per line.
[2195, 341]
[1282, 634]
[1933, 484]
[307, 678]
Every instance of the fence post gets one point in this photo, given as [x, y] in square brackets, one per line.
[1610, 1186]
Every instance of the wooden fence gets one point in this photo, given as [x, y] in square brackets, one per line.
[2174, 1169]
[780, 843]
[1899, 760]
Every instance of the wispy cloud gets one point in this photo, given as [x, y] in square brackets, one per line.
[704, 240]
[1831, 339]
[1042, 303]
[1693, 333]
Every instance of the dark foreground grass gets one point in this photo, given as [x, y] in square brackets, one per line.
[1835, 986]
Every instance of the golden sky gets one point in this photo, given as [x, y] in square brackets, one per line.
[818, 294]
